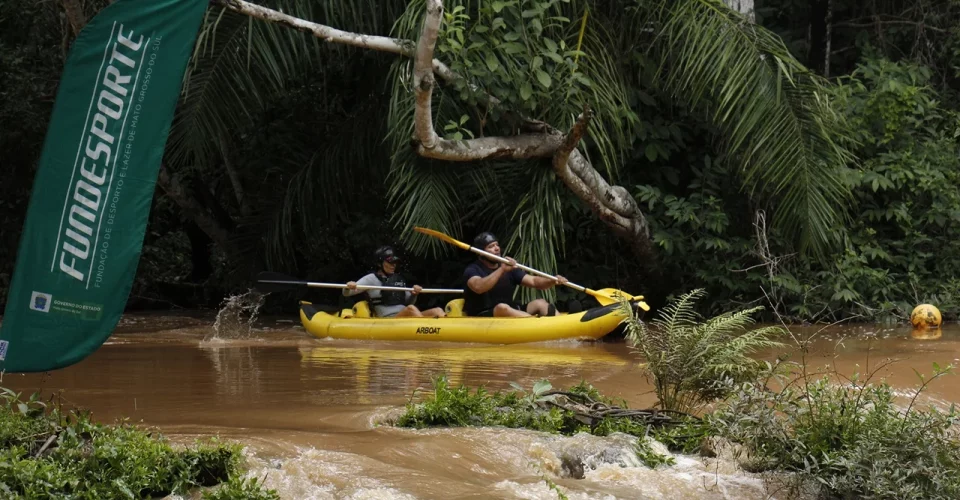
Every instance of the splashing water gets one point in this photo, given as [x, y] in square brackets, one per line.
[237, 315]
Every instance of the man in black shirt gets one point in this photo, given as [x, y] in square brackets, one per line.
[490, 285]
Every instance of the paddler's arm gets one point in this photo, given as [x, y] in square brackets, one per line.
[483, 285]
[368, 280]
[412, 297]
[541, 283]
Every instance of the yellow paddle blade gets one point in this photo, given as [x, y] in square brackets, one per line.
[607, 296]
[438, 234]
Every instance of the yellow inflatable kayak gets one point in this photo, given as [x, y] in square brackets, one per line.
[357, 323]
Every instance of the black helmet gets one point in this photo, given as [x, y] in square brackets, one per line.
[386, 254]
[484, 239]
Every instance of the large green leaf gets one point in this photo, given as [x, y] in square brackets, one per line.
[772, 113]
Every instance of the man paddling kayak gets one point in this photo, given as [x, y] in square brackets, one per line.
[390, 304]
[490, 285]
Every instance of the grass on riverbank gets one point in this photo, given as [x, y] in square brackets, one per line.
[837, 435]
[847, 441]
[579, 409]
[849, 436]
[46, 452]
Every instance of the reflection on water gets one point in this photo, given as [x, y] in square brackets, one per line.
[238, 373]
[308, 409]
[863, 348]
[926, 333]
[399, 369]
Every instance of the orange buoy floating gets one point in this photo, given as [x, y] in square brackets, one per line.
[925, 316]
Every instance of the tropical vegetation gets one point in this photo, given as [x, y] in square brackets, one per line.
[47, 451]
[823, 433]
[693, 361]
[802, 154]
[823, 439]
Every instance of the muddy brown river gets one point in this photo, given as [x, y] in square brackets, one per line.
[308, 409]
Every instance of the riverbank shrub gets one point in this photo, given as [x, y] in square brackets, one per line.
[849, 435]
[691, 361]
[836, 436]
[541, 409]
[46, 452]
[850, 440]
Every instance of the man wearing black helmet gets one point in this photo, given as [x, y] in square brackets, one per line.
[490, 285]
[390, 304]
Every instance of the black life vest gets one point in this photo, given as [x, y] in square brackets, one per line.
[390, 297]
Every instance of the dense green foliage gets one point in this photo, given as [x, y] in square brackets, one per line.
[836, 134]
[850, 436]
[46, 452]
[855, 440]
[898, 250]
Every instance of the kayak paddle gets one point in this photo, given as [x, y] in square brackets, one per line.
[277, 282]
[605, 296]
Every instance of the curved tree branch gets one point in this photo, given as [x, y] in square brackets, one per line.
[333, 35]
[561, 165]
[613, 204]
[325, 33]
[423, 79]
[430, 145]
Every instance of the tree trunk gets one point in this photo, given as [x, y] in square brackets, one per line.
[75, 15]
[744, 7]
[817, 57]
[199, 253]
[828, 37]
[73, 21]
[234, 178]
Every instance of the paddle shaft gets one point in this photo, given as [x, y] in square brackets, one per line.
[530, 270]
[600, 296]
[315, 284]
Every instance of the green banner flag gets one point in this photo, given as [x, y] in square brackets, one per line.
[91, 197]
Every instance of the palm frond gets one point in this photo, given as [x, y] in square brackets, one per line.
[239, 68]
[772, 111]
[728, 323]
[538, 222]
[239, 61]
[421, 192]
[614, 127]
[236, 64]
[371, 17]
[323, 191]
[424, 193]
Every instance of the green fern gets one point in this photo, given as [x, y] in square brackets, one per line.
[693, 361]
